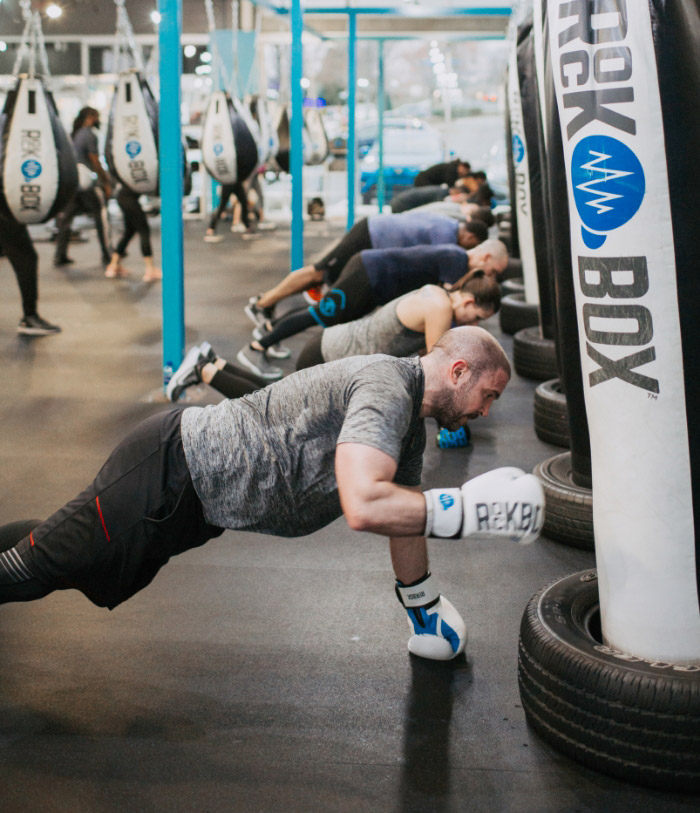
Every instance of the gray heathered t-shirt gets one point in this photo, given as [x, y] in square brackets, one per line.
[266, 462]
[380, 332]
[84, 143]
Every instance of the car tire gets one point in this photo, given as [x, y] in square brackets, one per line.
[636, 720]
[534, 356]
[516, 285]
[568, 516]
[551, 414]
[516, 313]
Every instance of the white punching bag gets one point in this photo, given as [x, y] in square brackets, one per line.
[522, 200]
[39, 173]
[132, 134]
[230, 151]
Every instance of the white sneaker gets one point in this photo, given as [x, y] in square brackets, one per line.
[256, 361]
[185, 375]
[213, 238]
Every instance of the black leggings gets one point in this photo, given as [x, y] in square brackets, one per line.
[17, 583]
[225, 193]
[19, 249]
[351, 298]
[311, 355]
[135, 222]
[111, 540]
[234, 381]
[350, 244]
[91, 201]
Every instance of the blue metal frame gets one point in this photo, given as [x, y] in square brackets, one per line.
[381, 102]
[351, 153]
[297, 136]
[171, 185]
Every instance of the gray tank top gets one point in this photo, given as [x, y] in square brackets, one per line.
[380, 332]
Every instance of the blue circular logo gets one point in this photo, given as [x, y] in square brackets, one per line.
[518, 148]
[133, 148]
[218, 148]
[327, 306]
[608, 182]
[446, 501]
[31, 169]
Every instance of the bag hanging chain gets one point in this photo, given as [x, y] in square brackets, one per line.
[126, 40]
[32, 42]
[218, 62]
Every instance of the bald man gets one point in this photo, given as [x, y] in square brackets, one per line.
[344, 437]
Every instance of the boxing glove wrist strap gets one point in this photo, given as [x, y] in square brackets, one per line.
[443, 508]
[421, 593]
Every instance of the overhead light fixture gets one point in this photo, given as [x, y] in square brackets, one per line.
[190, 51]
[155, 17]
[202, 69]
[305, 83]
[3, 44]
[53, 11]
[205, 56]
[362, 82]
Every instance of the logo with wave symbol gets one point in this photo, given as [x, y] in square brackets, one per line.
[31, 169]
[608, 182]
[446, 501]
[518, 149]
[133, 148]
[218, 148]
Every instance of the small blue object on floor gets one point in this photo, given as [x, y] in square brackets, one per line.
[454, 440]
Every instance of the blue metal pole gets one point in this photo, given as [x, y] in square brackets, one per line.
[297, 136]
[352, 93]
[171, 185]
[380, 124]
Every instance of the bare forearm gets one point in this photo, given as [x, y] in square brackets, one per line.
[409, 558]
[389, 509]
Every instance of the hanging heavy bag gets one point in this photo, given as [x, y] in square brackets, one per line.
[229, 148]
[39, 174]
[316, 150]
[131, 147]
[281, 126]
[268, 137]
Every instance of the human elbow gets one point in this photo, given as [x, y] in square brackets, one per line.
[359, 517]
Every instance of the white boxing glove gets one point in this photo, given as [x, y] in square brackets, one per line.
[438, 631]
[504, 502]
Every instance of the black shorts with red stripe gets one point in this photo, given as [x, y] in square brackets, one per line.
[141, 509]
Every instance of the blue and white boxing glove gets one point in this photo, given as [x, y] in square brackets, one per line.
[438, 631]
[504, 503]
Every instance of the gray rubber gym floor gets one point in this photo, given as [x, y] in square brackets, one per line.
[255, 673]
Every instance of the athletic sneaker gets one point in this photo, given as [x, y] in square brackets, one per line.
[60, 262]
[256, 360]
[258, 316]
[34, 325]
[238, 228]
[250, 234]
[213, 238]
[277, 351]
[454, 440]
[206, 351]
[186, 374]
[313, 295]
[266, 225]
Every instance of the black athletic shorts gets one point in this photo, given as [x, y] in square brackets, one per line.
[351, 243]
[350, 298]
[141, 509]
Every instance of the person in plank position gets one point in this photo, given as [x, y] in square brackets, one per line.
[343, 438]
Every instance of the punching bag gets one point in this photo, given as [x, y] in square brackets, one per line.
[281, 127]
[521, 203]
[627, 81]
[131, 147]
[316, 148]
[268, 137]
[39, 174]
[229, 148]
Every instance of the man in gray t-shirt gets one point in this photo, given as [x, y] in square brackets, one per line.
[344, 437]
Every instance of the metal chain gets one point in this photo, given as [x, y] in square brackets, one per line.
[124, 37]
[218, 62]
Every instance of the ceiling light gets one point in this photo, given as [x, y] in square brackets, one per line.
[362, 82]
[3, 44]
[53, 11]
[190, 51]
[203, 69]
[205, 56]
[304, 82]
[155, 17]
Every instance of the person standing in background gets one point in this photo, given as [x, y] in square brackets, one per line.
[90, 197]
